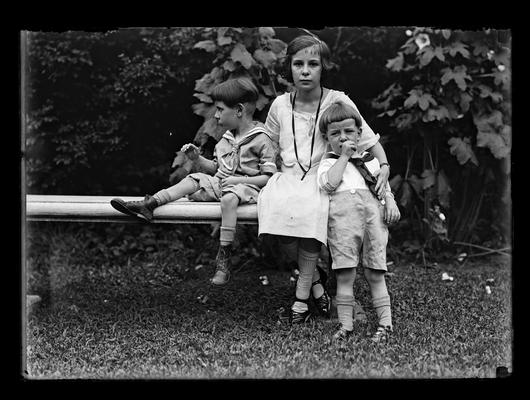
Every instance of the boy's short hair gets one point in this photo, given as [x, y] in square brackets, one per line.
[234, 91]
[302, 42]
[338, 112]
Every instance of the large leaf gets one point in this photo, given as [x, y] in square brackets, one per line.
[444, 190]
[204, 110]
[458, 47]
[396, 63]
[262, 102]
[240, 54]
[428, 178]
[208, 45]
[499, 144]
[458, 74]
[203, 97]
[462, 150]
[395, 182]
[415, 183]
[265, 57]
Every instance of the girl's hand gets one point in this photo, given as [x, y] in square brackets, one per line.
[392, 213]
[231, 180]
[191, 151]
[348, 148]
[382, 178]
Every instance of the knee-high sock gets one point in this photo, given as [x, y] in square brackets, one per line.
[227, 235]
[345, 310]
[382, 309]
[307, 262]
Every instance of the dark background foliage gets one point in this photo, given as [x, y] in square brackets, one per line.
[105, 112]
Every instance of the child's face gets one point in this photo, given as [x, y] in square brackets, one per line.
[226, 116]
[306, 68]
[342, 131]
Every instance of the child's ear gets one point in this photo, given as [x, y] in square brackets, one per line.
[240, 109]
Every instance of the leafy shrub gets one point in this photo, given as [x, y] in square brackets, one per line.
[450, 106]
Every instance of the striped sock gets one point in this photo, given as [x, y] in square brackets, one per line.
[162, 197]
[345, 310]
[226, 236]
[383, 311]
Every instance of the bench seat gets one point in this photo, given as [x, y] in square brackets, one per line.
[98, 209]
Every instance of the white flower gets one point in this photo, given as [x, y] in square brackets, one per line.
[501, 67]
[408, 32]
[422, 40]
[490, 54]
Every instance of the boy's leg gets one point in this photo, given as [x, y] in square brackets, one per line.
[229, 203]
[307, 261]
[380, 296]
[344, 298]
[144, 208]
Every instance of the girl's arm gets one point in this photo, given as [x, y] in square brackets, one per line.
[384, 172]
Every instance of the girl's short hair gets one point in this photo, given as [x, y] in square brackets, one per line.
[234, 91]
[338, 112]
[302, 42]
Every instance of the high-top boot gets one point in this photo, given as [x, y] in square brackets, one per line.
[142, 209]
[223, 265]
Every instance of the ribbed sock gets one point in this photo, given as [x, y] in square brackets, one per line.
[227, 235]
[162, 197]
[345, 310]
[383, 311]
[307, 262]
[181, 189]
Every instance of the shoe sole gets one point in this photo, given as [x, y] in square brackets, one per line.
[118, 205]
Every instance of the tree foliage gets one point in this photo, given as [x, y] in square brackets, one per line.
[451, 99]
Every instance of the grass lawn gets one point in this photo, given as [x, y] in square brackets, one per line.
[133, 301]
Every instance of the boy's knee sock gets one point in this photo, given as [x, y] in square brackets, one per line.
[382, 309]
[227, 235]
[345, 310]
[307, 262]
[162, 197]
[177, 191]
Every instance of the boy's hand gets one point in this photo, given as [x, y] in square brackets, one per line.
[231, 180]
[348, 148]
[191, 151]
[392, 213]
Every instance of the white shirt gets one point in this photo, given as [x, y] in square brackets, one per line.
[351, 179]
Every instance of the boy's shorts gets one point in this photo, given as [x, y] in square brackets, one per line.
[356, 222]
[211, 190]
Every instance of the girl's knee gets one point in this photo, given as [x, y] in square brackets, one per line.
[310, 245]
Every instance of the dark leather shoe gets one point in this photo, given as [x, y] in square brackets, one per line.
[223, 263]
[142, 209]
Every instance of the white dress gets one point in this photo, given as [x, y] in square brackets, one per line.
[288, 205]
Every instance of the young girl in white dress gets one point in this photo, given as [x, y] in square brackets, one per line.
[291, 205]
